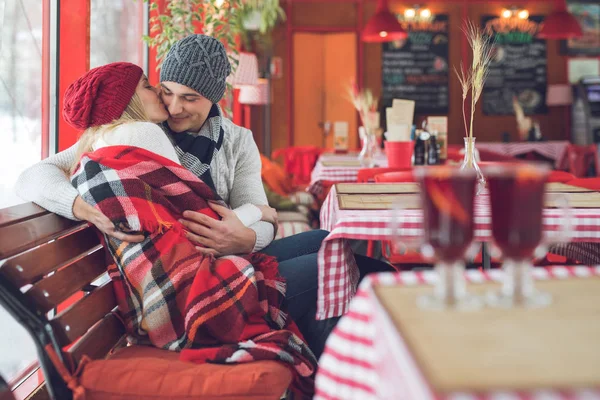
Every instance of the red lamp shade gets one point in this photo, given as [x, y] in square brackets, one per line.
[383, 26]
[560, 24]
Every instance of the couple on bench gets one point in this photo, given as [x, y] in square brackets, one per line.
[192, 275]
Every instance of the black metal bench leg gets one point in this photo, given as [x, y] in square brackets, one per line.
[485, 256]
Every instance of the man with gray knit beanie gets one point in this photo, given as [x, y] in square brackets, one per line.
[192, 80]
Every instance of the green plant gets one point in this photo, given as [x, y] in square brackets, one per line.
[269, 10]
[182, 17]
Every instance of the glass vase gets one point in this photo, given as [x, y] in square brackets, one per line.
[369, 149]
[470, 162]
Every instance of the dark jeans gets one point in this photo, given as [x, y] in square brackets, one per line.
[297, 256]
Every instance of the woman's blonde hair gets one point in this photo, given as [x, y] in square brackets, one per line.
[133, 112]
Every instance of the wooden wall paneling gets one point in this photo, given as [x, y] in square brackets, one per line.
[279, 91]
[338, 14]
[324, 14]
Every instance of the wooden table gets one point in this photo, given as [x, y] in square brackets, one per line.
[385, 347]
[338, 274]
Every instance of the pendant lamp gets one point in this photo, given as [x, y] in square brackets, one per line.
[383, 26]
[560, 24]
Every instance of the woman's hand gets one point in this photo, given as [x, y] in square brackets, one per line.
[269, 214]
[86, 212]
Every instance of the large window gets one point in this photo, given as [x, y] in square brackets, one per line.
[20, 92]
[20, 138]
[116, 30]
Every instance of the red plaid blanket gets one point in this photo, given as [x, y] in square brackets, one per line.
[225, 310]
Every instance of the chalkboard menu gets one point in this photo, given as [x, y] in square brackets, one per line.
[417, 68]
[518, 67]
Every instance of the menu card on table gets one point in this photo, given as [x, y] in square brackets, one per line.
[399, 119]
[439, 125]
[340, 136]
[379, 201]
[575, 200]
[366, 188]
[557, 187]
[341, 163]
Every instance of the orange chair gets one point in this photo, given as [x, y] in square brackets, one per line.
[453, 153]
[299, 162]
[581, 159]
[587, 183]
[398, 176]
[560, 176]
[368, 174]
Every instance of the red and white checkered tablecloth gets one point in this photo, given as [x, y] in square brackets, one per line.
[366, 358]
[555, 150]
[338, 273]
[337, 173]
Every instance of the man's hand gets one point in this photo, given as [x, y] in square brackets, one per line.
[86, 212]
[219, 238]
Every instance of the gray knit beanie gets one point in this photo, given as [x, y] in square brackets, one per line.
[199, 62]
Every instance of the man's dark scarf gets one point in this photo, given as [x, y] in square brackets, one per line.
[197, 150]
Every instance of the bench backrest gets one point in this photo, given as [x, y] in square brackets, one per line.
[47, 266]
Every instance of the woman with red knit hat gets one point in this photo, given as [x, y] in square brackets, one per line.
[114, 104]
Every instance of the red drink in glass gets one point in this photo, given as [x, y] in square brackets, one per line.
[517, 200]
[448, 195]
[517, 203]
[448, 213]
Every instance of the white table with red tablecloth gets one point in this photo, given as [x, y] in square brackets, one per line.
[553, 150]
[366, 358]
[338, 273]
[338, 173]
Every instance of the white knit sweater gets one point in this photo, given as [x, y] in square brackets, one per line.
[235, 171]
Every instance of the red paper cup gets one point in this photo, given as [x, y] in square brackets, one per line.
[399, 154]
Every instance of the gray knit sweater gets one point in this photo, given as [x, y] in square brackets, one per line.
[235, 171]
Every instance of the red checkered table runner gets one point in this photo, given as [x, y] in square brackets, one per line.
[366, 358]
[337, 173]
[338, 274]
[555, 150]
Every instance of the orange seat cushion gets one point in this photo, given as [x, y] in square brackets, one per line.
[275, 177]
[142, 373]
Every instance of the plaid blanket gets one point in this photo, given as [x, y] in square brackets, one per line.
[225, 310]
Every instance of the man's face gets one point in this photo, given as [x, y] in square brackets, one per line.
[187, 108]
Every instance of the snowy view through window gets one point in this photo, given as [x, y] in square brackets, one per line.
[20, 139]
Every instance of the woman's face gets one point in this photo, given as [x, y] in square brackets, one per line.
[153, 105]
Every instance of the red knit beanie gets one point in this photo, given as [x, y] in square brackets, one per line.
[101, 95]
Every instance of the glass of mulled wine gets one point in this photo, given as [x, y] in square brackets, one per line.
[447, 196]
[517, 199]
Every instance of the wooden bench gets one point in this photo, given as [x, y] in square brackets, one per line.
[47, 260]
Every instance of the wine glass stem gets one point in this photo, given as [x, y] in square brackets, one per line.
[450, 286]
[518, 282]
